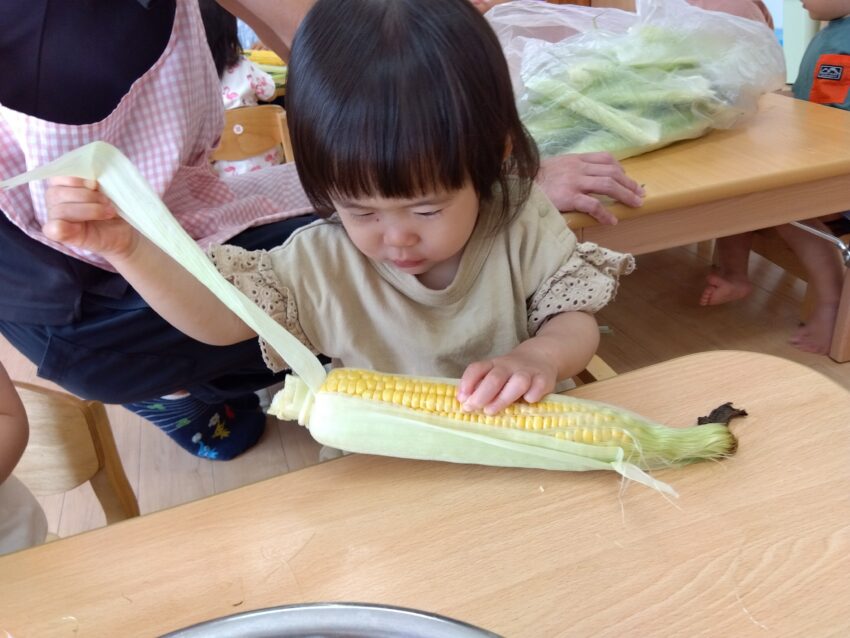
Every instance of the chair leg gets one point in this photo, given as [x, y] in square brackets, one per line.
[109, 483]
[705, 250]
[596, 370]
[840, 349]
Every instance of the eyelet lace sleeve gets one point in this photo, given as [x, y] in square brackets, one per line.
[251, 272]
[586, 282]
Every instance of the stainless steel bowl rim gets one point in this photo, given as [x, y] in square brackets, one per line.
[333, 620]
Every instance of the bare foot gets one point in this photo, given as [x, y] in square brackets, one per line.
[816, 335]
[720, 290]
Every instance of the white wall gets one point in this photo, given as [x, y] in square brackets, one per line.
[775, 8]
[797, 31]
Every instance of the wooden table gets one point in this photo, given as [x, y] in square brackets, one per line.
[790, 162]
[757, 545]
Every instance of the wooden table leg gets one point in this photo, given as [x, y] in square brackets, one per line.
[840, 349]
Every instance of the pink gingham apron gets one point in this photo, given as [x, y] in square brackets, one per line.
[166, 124]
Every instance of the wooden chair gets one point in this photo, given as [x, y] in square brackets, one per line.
[596, 370]
[251, 130]
[70, 443]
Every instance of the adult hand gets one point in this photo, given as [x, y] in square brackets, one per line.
[570, 181]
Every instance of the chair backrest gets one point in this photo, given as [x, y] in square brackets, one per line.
[71, 442]
[251, 130]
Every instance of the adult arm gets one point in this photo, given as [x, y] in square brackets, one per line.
[274, 21]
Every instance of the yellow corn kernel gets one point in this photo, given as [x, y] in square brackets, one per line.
[371, 412]
[573, 421]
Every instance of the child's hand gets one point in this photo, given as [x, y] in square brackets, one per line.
[81, 216]
[494, 384]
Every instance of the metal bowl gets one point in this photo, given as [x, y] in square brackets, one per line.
[333, 620]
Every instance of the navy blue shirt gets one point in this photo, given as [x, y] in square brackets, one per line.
[71, 63]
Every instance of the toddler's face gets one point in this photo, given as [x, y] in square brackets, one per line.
[424, 236]
[827, 9]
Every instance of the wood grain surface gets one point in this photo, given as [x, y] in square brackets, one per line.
[755, 545]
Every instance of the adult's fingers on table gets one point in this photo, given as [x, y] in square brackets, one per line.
[606, 170]
[593, 207]
[598, 157]
[614, 170]
[623, 189]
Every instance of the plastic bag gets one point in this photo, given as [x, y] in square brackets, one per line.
[609, 80]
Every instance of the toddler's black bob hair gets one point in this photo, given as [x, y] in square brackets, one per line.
[396, 98]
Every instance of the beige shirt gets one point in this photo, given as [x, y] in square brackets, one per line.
[369, 315]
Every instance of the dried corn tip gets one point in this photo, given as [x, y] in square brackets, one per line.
[396, 415]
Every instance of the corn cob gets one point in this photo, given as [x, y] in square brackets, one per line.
[394, 415]
[264, 56]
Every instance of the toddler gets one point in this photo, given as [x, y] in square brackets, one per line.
[243, 83]
[824, 77]
[441, 257]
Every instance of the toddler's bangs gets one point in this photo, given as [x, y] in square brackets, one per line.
[391, 137]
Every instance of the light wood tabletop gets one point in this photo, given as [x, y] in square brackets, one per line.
[756, 545]
[788, 162]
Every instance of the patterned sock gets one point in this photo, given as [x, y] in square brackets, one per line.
[220, 432]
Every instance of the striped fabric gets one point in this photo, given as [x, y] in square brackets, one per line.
[167, 124]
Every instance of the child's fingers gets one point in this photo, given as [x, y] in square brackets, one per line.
[64, 232]
[540, 387]
[58, 193]
[514, 388]
[487, 389]
[497, 390]
[81, 211]
[77, 203]
[76, 182]
[471, 378]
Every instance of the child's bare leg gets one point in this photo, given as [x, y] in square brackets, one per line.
[825, 273]
[729, 281]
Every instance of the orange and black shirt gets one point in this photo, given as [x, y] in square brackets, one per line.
[824, 75]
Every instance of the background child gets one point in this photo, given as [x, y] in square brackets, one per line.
[22, 521]
[443, 252]
[243, 83]
[824, 77]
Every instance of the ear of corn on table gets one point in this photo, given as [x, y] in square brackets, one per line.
[420, 418]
